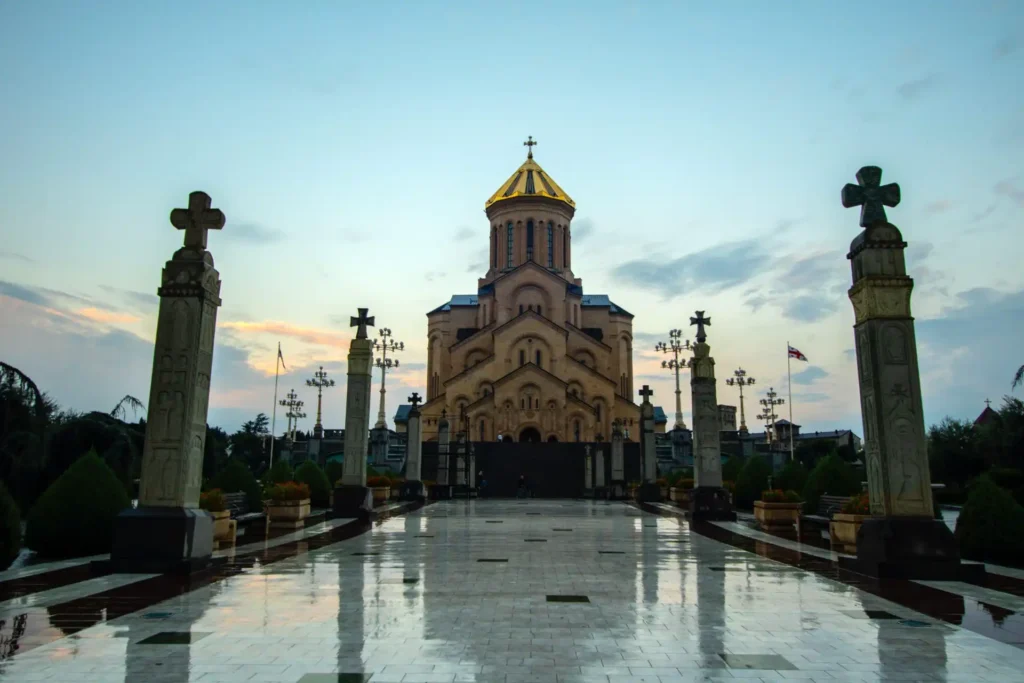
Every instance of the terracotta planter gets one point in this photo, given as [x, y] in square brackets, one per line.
[664, 492]
[288, 513]
[777, 515]
[631, 492]
[381, 494]
[223, 529]
[680, 496]
[843, 529]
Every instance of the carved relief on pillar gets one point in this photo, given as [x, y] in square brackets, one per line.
[881, 297]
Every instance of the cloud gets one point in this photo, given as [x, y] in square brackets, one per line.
[917, 253]
[101, 316]
[850, 354]
[12, 256]
[711, 270]
[807, 289]
[476, 267]
[984, 213]
[1007, 188]
[582, 228]
[309, 335]
[809, 308]
[432, 275]
[938, 206]
[811, 397]
[139, 301]
[26, 294]
[253, 233]
[464, 233]
[911, 90]
[810, 375]
[1004, 47]
[812, 272]
[786, 224]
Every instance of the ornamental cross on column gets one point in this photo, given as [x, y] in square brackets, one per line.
[321, 382]
[646, 392]
[700, 321]
[415, 399]
[870, 195]
[385, 344]
[740, 379]
[361, 321]
[529, 144]
[674, 346]
[197, 220]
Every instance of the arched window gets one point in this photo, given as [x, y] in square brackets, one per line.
[538, 358]
[565, 247]
[509, 259]
[482, 434]
[540, 310]
[551, 245]
[522, 357]
[529, 240]
[576, 429]
[520, 308]
[522, 403]
[494, 247]
[597, 409]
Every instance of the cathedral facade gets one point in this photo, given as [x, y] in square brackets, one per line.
[530, 356]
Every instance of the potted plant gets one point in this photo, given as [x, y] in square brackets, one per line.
[381, 487]
[844, 525]
[662, 483]
[631, 489]
[289, 504]
[730, 486]
[680, 493]
[396, 485]
[428, 485]
[213, 502]
[778, 509]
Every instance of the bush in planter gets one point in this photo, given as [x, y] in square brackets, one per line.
[378, 482]
[334, 470]
[686, 484]
[75, 516]
[731, 468]
[1010, 479]
[10, 528]
[991, 524]
[289, 491]
[310, 474]
[792, 476]
[279, 473]
[858, 505]
[236, 477]
[832, 475]
[752, 480]
[780, 496]
[662, 482]
[212, 501]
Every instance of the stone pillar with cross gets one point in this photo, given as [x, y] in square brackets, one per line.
[412, 489]
[353, 499]
[168, 531]
[708, 500]
[903, 539]
[444, 480]
[617, 485]
[649, 491]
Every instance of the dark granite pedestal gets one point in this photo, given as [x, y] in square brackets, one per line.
[441, 492]
[411, 490]
[909, 548]
[711, 503]
[599, 493]
[648, 492]
[161, 540]
[616, 490]
[353, 502]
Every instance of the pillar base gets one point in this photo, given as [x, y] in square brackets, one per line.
[161, 540]
[909, 548]
[711, 503]
[616, 490]
[353, 502]
[411, 490]
[648, 492]
[441, 492]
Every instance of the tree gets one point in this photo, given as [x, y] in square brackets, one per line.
[119, 410]
[248, 442]
[215, 451]
[1018, 379]
[954, 455]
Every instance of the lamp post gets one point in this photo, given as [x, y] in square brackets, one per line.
[674, 346]
[769, 407]
[294, 414]
[385, 344]
[767, 417]
[740, 379]
[321, 382]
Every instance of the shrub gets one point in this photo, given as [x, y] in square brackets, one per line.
[793, 475]
[10, 528]
[334, 470]
[662, 481]
[310, 474]
[212, 501]
[752, 480]
[991, 524]
[858, 505]
[279, 473]
[685, 484]
[378, 481]
[1010, 479]
[832, 475]
[75, 516]
[289, 491]
[236, 477]
[780, 496]
[731, 468]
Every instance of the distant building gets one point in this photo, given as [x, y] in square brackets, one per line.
[987, 416]
[727, 418]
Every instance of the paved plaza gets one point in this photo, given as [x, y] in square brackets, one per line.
[514, 591]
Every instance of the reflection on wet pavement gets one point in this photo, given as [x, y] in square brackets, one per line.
[625, 595]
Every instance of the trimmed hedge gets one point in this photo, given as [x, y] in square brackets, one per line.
[832, 475]
[752, 480]
[793, 476]
[732, 467]
[10, 528]
[310, 474]
[991, 524]
[75, 516]
[236, 477]
[334, 470]
[279, 473]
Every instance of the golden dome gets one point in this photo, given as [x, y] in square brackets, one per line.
[529, 180]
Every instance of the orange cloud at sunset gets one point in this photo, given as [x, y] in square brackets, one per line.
[305, 334]
[100, 316]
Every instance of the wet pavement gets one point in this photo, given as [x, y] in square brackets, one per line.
[493, 591]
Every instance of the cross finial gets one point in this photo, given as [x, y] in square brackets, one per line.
[530, 144]
[988, 403]
[646, 392]
[362, 320]
[197, 219]
[700, 321]
[414, 399]
[870, 195]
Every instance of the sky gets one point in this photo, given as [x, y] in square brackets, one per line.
[352, 146]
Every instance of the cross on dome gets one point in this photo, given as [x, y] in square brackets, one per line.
[530, 144]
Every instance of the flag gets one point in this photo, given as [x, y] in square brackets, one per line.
[795, 353]
[281, 358]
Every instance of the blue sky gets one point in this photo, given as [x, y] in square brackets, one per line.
[352, 147]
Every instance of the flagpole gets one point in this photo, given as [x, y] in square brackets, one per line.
[273, 413]
[789, 374]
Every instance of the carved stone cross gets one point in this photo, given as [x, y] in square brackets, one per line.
[646, 392]
[362, 320]
[700, 321]
[414, 399]
[869, 194]
[529, 144]
[197, 219]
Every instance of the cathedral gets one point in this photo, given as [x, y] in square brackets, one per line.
[530, 356]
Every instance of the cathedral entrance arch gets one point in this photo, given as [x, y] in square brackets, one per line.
[552, 439]
[529, 435]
